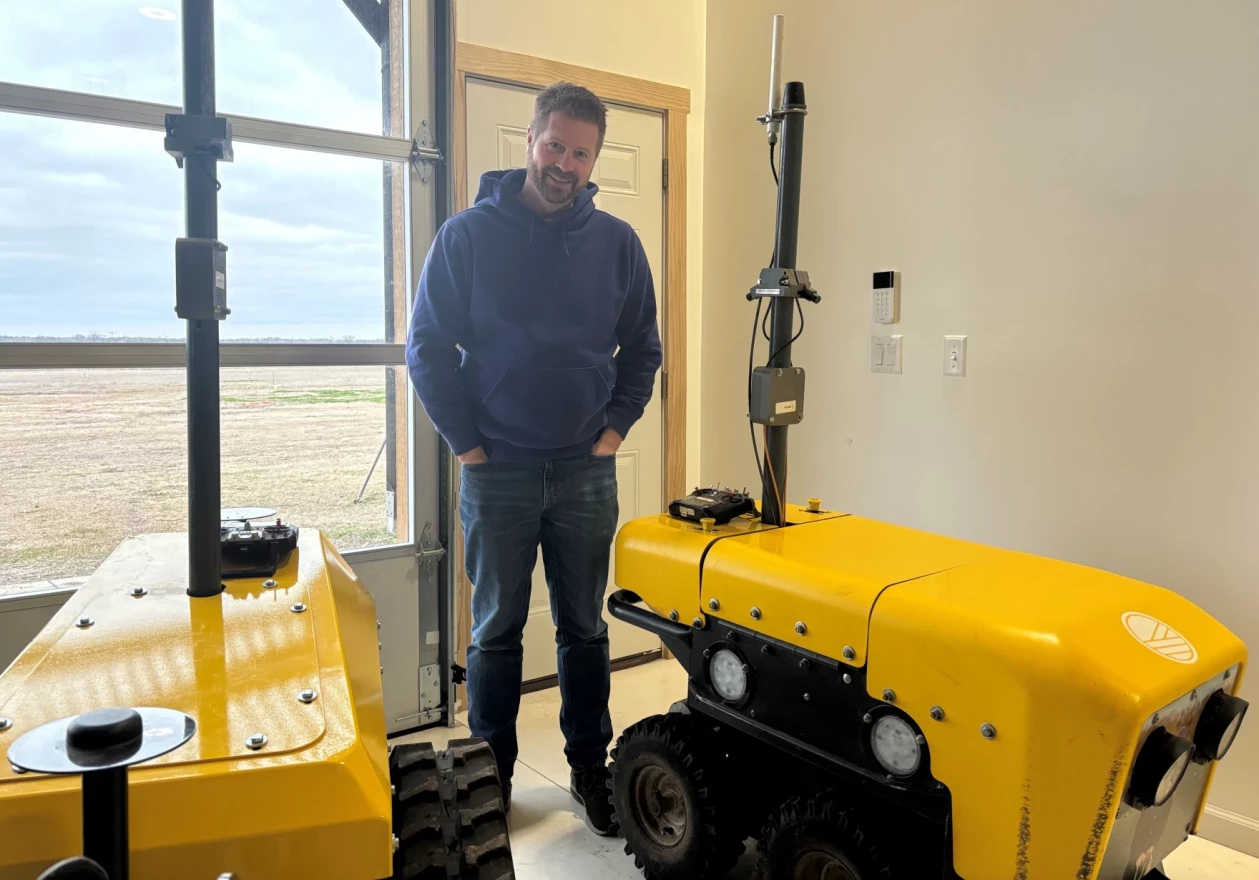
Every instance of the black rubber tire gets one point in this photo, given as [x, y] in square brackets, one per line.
[709, 845]
[448, 813]
[820, 827]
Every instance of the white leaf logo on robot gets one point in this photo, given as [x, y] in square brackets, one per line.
[1160, 638]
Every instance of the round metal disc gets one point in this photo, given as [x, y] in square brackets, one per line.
[43, 750]
[245, 514]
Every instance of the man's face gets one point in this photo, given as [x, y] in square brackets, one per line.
[561, 157]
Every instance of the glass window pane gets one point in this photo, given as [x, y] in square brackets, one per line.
[92, 456]
[89, 215]
[305, 234]
[108, 47]
[310, 62]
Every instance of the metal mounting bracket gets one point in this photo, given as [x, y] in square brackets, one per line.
[424, 152]
[431, 551]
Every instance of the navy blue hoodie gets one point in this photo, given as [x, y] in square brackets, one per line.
[530, 335]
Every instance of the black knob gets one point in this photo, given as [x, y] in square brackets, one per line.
[105, 730]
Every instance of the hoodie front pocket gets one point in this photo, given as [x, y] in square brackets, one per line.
[549, 408]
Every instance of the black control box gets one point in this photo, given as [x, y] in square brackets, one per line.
[722, 505]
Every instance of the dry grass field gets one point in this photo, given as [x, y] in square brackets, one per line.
[89, 457]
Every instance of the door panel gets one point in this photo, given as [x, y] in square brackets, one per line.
[629, 175]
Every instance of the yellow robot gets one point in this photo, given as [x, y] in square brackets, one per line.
[209, 704]
[870, 701]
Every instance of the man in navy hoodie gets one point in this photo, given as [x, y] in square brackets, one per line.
[533, 348]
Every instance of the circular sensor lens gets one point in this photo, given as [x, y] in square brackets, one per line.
[895, 745]
[728, 677]
[1159, 768]
[1171, 779]
[1217, 727]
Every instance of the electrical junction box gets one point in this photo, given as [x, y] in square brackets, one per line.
[777, 396]
[886, 298]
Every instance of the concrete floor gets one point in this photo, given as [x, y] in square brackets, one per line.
[550, 842]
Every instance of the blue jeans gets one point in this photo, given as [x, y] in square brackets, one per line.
[568, 507]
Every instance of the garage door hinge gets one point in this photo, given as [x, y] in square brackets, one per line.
[424, 152]
[431, 551]
[664, 173]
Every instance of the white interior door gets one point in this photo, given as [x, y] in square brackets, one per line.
[630, 178]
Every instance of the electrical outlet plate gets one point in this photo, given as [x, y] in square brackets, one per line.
[955, 355]
[886, 354]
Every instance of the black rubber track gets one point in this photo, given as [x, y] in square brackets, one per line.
[449, 814]
[824, 823]
[710, 848]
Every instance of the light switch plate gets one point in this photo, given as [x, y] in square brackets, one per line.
[955, 355]
[886, 354]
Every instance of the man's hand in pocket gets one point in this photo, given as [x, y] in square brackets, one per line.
[609, 443]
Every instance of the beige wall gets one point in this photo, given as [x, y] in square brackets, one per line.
[1072, 185]
[658, 40]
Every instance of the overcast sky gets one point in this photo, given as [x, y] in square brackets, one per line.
[89, 213]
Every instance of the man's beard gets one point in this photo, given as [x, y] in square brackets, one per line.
[556, 192]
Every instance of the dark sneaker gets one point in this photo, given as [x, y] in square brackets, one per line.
[591, 787]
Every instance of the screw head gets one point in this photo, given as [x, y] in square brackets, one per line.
[1194, 695]
[920, 739]
[707, 653]
[773, 419]
[746, 669]
[867, 718]
[697, 623]
[849, 653]
[756, 613]
[673, 615]
[889, 695]
[307, 696]
[765, 650]
[847, 678]
[270, 584]
[396, 843]
[256, 741]
[804, 663]
[937, 714]
[1228, 673]
[84, 622]
[5, 723]
[806, 698]
[801, 629]
[988, 731]
[780, 372]
[297, 608]
[714, 605]
[752, 712]
[137, 592]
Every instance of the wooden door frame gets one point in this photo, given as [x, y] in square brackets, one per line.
[674, 104]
